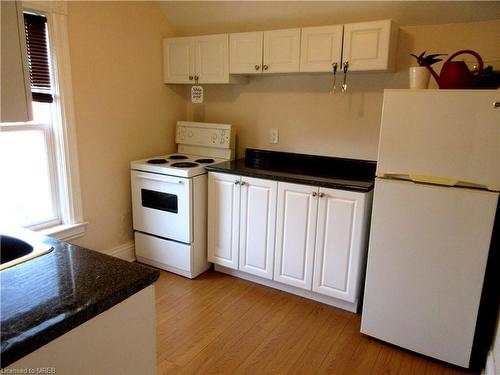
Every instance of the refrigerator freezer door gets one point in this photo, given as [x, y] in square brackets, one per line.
[426, 262]
[441, 136]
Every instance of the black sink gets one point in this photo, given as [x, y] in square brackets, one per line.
[12, 248]
[20, 245]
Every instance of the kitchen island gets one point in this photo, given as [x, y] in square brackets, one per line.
[75, 310]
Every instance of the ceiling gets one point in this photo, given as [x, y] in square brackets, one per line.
[207, 17]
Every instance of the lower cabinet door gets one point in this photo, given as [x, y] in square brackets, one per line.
[295, 234]
[223, 219]
[340, 243]
[257, 226]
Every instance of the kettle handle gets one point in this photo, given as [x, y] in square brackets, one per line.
[469, 52]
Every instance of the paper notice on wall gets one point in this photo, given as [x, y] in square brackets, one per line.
[197, 94]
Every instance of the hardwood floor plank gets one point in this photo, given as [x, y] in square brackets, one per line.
[225, 353]
[218, 324]
[281, 341]
[337, 359]
[388, 361]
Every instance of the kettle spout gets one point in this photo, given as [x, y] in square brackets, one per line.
[434, 74]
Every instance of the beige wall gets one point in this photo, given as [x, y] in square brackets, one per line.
[123, 110]
[310, 120]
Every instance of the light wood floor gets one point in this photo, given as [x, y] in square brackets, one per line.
[218, 324]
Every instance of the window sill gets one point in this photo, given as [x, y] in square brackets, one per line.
[65, 231]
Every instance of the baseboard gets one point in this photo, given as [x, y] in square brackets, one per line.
[352, 307]
[124, 251]
[490, 364]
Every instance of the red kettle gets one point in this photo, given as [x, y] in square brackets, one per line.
[456, 74]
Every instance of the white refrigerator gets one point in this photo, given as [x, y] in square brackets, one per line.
[434, 208]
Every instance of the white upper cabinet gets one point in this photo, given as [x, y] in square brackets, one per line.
[295, 234]
[370, 45]
[211, 58]
[341, 238]
[15, 103]
[281, 51]
[320, 48]
[199, 58]
[276, 51]
[257, 226]
[246, 52]
[223, 219]
[220, 58]
[178, 56]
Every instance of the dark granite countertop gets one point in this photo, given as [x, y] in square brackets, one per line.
[329, 172]
[50, 295]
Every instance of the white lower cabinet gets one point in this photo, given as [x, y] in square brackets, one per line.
[303, 239]
[241, 223]
[223, 219]
[257, 226]
[296, 227]
[340, 243]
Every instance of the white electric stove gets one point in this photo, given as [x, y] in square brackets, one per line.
[182, 165]
[169, 198]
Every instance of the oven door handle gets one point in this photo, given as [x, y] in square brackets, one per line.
[155, 177]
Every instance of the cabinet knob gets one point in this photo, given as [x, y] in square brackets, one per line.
[196, 78]
[243, 183]
[257, 67]
[321, 195]
[265, 67]
[236, 182]
[314, 193]
[496, 105]
[191, 78]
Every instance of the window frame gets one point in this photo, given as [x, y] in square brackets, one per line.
[63, 121]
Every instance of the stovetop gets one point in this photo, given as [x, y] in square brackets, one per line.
[181, 165]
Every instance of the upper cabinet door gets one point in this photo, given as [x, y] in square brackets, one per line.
[281, 51]
[295, 234]
[370, 45]
[257, 226]
[223, 219]
[212, 58]
[320, 48]
[340, 243]
[178, 64]
[245, 53]
[15, 104]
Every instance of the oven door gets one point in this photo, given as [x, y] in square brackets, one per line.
[161, 205]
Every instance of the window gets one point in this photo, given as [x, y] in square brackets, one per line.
[39, 186]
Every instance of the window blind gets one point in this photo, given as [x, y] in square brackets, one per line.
[38, 57]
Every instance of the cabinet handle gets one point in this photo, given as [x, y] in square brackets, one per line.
[334, 80]
[243, 183]
[257, 67]
[345, 68]
[265, 67]
[314, 193]
[236, 182]
[321, 195]
[496, 105]
[191, 78]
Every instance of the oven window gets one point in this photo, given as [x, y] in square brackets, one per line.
[159, 201]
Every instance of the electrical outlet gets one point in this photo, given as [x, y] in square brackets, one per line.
[273, 136]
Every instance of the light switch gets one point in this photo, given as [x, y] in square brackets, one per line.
[273, 136]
